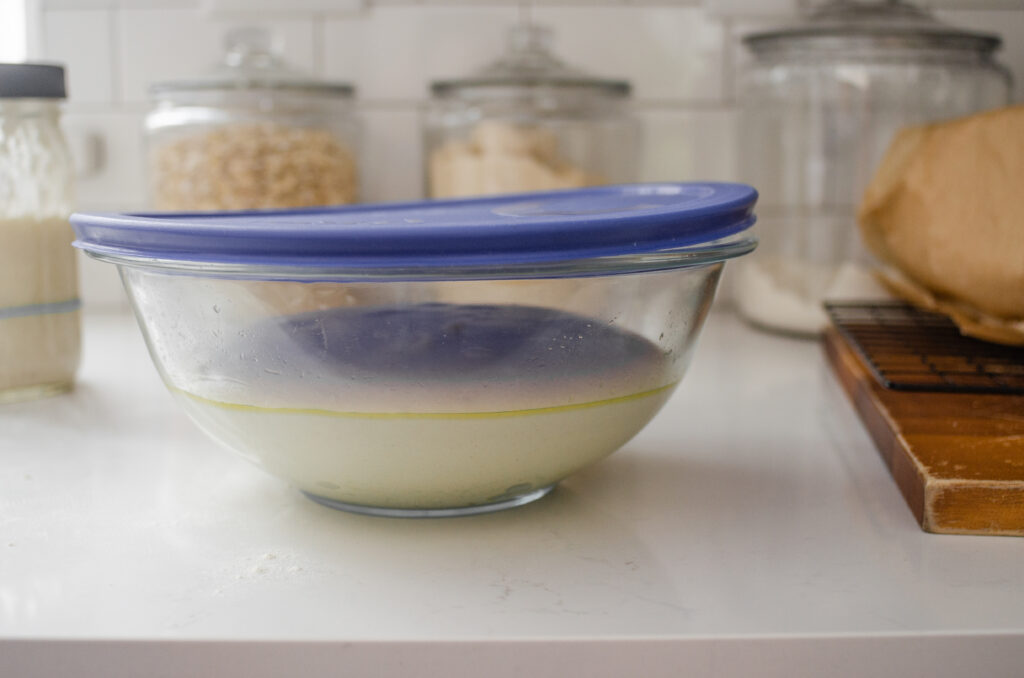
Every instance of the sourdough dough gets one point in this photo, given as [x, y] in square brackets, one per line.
[432, 405]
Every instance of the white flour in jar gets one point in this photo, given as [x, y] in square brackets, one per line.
[500, 157]
[789, 295]
[430, 406]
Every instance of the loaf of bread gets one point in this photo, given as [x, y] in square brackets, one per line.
[945, 213]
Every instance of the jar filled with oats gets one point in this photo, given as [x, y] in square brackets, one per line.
[39, 316]
[528, 122]
[252, 134]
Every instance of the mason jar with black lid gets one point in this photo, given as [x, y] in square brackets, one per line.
[39, 305]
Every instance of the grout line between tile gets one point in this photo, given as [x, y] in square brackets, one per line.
[525, 13]
[319, 44]
[728, 61]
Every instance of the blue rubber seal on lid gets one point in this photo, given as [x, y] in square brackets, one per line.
[512, 229]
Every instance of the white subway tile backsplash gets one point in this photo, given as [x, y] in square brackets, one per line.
[751, 7]
[99, 285]
[46, 5]
[739, 56]
[118, 184]
[81, 39]
[392, 53]
[115, 4]
[682, 56]
[291, 6]
[542, 3]
[1009, 24]
[392, 156]
[689, 145]
[668, 53]
[524, 4]
[168, 44]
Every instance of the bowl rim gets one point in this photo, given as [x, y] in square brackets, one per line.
[602, 228]
[685, 257]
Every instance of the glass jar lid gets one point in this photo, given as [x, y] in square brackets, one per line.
[252, 62]
[880, 23]
[529, 61]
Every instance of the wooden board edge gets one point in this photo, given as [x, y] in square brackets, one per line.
[940, 507]
[860, 387]
[977, 508]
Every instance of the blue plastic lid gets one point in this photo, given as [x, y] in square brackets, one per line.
[500, 231]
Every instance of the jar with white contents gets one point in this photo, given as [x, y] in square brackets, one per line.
[528, 122]
[39, 317]
[819, 106]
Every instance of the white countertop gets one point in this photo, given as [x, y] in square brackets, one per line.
[750, 529]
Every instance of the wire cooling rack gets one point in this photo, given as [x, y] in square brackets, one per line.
[913, 350]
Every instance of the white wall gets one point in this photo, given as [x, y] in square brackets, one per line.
[682, 57]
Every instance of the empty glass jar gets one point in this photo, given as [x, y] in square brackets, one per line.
[819, 106]
[254, 133]
[528, 122]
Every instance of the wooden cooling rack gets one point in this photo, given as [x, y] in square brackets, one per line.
[946, 413]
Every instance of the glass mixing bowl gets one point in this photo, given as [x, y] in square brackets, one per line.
[428, 359]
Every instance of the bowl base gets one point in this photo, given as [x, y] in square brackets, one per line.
[389, 512]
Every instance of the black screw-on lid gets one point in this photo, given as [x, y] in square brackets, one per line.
[32, 81]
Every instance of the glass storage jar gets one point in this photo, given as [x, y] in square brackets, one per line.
[252, 134]
[819, 106]
[528, 122]
[39, 316]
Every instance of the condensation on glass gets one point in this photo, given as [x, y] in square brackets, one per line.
[39, 305]
[528, 122]
[819, 105]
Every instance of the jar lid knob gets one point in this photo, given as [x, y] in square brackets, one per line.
[250, 46]
[530, 38]
[253, 60]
